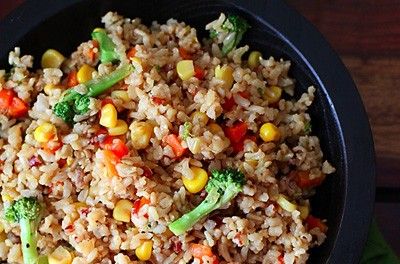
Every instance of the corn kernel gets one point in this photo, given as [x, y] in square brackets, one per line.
[49, 88]
[6, 197]
[122, 211]
[273, 94]
[137, 64]
[199, 118]
[269, 132]
[120, 128]
[285, 204]
[215, 128]
[225, 73]
[141, 133]
[79, 205]
[304, 211]
[120, 94]
[45, 132]
[52, 59]
[200, 178]
[85, 73]
[144, 251]
[254, 59]
[185, 69]
[60, 256]
[108, 116]
[70, 160]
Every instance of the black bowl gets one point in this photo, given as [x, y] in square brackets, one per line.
[339, 119]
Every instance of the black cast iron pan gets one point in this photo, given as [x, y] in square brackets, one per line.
[339, 119]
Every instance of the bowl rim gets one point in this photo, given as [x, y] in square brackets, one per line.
[330, 72]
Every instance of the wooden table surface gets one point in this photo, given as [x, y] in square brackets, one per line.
[366, 34]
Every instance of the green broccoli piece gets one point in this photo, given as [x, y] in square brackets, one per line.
[222, 187]
[236, 26]
[26, 211]
[106, 46]
[187, 126]
[74, 103]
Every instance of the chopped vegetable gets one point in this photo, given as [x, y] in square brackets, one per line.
[285, 204]
[116, 145]
[273, 94]
[303, 180]
[141, 133]
[144, 251]
[185, 54]
[138, 204]
[314, 222]
[197, 183]
[109, 116]
[45, 132]
[304, 211]
[307, 128]
[26, 211]
[85, 73]
[199, 118]
[11, 104]
[60, 256]
[107, 47]
[199, 73]
[237, 132]
[222, 187]
[119, 129]
[74, 103]
[174, 142]
[254, 59]
[187, 126]
[269, 132]
[199, 250]
[51, 58]
[110, 160]
[225, 73]
[228, 104]
[185, 69]
[131, 53]
[122, 211]
[72, 79]
[121, 95]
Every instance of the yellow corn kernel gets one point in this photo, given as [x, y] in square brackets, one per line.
[6, 197]
[79, 205]
[185, 69]
[141, 133]
[52, 59]
[144, 251]
[199, 118]
[49, 88]
[45, 132]
[70, 160]
[254, 59]
[304, 211]
[215, 128]
[120, 128]
[85, 73]
[273, 94]
[120, 94]
[225, 73]
[122, 211]
[60, 256]
[285, 204]
[108, 116]
[269, 132]
[200, 178]
[194, 144]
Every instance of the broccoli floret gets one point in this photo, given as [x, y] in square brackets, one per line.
[222, 187]
[26, 211]
[74, 103]
[236, 26]
[107, 47]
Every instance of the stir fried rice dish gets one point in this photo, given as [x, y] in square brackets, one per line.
[148, 145]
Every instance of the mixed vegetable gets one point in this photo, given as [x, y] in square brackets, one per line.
[221, 188]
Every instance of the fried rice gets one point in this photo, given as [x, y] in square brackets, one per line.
[79, 194]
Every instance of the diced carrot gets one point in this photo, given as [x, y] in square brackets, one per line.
[185, 54]
[116, 145]
[280, 259]
[244, 94]
[91, 54]
[110, 160]
[174, 142]
[158, 100]
[131, 53]
[237, 132]
[139, 204]
[72, 79]
[18, 108]
[52, 146]
[313, 222]
[228, 104]
[302, 179]
[6, 96]
[199, 73]
[199, 250]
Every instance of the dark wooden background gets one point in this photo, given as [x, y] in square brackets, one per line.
[366, 34]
